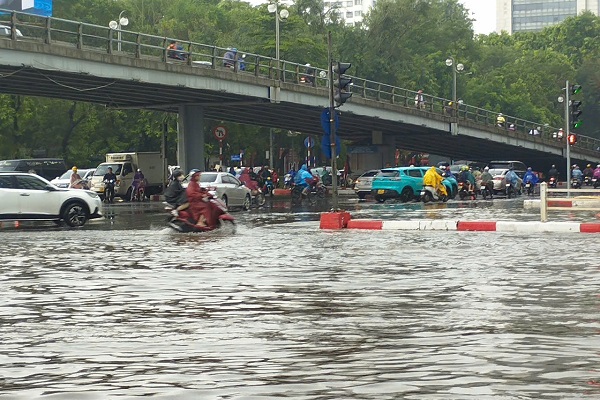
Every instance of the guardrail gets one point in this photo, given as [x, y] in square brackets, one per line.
[89, 37]
[566, 203]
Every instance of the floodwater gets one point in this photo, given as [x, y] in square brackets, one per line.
[125, 308]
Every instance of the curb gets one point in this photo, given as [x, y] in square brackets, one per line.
[473, 226]
[573, 203]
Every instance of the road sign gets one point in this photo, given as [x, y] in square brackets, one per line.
[309, 142]
[220, 132]
[236, 158]
[325, 121]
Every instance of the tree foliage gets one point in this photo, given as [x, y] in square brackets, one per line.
[400, 42]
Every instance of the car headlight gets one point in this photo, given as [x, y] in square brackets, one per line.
[93, 195]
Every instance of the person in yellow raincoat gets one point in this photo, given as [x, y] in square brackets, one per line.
[432, 178]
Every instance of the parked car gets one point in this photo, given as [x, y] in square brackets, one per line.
[499, 176]
[64, 180]
[25, 196]
[404, 183]
[364, 183]
[228, 188]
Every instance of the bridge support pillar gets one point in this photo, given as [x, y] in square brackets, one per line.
[190, 138]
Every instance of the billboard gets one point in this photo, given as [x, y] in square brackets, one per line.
[40, 7]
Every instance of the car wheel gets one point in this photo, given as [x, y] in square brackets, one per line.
[224, 198]
[128, 195]
[247, 202]
[261, 199]
[406, 195]
[75, 214]
[379, 199]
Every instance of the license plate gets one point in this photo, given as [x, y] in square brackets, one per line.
[380, 191]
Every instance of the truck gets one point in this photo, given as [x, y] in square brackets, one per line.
[124, 165]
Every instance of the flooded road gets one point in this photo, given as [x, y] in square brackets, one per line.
[126, 308]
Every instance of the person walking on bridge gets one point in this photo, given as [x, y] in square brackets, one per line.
[500, 121]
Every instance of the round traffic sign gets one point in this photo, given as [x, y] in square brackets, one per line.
[220, 132]
[309, 142]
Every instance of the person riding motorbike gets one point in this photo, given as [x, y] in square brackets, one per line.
[75, 179]
[577, 174]
[448, 173]
[139, 181]
[434, 179]
[597, 172]
[487, 180]
[199, 198]
[247, 180]
[530, 177]
[175, 193]
[304, 179]
[588, 171]
[512, 178]
[553, 172]
[229, 58]
[466, 177]
[265, 174]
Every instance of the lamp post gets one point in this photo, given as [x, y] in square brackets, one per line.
[279, 16]
[123, 21]
[456, 68]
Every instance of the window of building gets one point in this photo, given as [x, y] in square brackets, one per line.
[348, 14]
[357, 13]
[358, 2]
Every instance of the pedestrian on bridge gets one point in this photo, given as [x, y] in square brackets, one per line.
[500, 121]
[420, 100]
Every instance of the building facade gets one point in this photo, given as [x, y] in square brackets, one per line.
[535, 15]
[351, 11]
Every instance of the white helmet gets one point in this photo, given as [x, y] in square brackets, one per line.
[486, 169]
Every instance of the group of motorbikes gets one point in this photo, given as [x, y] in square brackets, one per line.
[587, 181]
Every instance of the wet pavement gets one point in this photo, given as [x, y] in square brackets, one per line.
[125, 308]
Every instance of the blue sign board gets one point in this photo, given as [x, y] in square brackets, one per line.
[236, 158]
[326, 124]
[39, 7]
[309, 142]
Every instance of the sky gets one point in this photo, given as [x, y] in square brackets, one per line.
[484, 14]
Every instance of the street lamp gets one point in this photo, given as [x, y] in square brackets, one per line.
[279, 16]
[123, 21]
[455, 69]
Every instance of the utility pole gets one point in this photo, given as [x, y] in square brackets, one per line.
[567, 133]
[332, 132]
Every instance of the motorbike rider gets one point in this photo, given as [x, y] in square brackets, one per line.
[597, 172]
[108, 176]
[138, 181]
[448, 173]
[553, 172]
[304, 179]
[199, 198]
[487, 180]
[576, 173]
[175, 193]
[309, 76]
[588, 171]
[434, 179]
[75, 178]
[265, 174]
[229, 58]
[466, 177]
[512, 178]
[247, 180]
[530, 177]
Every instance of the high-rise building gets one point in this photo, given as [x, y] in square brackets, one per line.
[535, 15]
[351, 11]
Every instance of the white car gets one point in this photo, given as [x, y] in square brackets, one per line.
[363, 184]
[64, 180]
[28, 197]
[227, 187]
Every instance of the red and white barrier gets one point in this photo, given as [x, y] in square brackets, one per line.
[478, 226]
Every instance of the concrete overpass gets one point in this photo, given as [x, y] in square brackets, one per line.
[77, 61]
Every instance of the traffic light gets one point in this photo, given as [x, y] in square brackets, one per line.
[341, 83]
[572, 139]
[575, 113]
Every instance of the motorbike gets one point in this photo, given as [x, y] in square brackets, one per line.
[485, 191]
[595, 182]
[182, 222]
[317, 191]
[575, 183]
[288, 181]
[510, 191]
[587, 181]
[552, 182]
[138, 195]
[81, 184]
[429, 193]
[529, 188]
[464, 192]
[268, 186]
[258, 197]
[109, 190]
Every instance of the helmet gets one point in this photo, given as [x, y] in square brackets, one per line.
[465, 168]
[74, 169]
[177, 174]
[528, 168]
[486, 169]
[553, 166]
[598, 166]
[193, 172]
[589, 165]
[307, 65]
[139, 170]
[234, 50]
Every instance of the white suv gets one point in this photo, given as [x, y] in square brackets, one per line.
[26, 196]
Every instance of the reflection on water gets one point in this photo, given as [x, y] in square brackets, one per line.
[284, 310]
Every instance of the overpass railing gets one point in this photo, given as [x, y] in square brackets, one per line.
[89, 37]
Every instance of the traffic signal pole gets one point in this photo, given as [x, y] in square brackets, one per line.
[332, 132]
[567, 134]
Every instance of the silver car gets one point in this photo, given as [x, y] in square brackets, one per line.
[227, 187]
[499, 175]
[363, 184]
[64, 180]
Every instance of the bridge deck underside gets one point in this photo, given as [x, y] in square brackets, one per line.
[249, 110]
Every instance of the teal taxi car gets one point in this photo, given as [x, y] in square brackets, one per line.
[405, 184]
